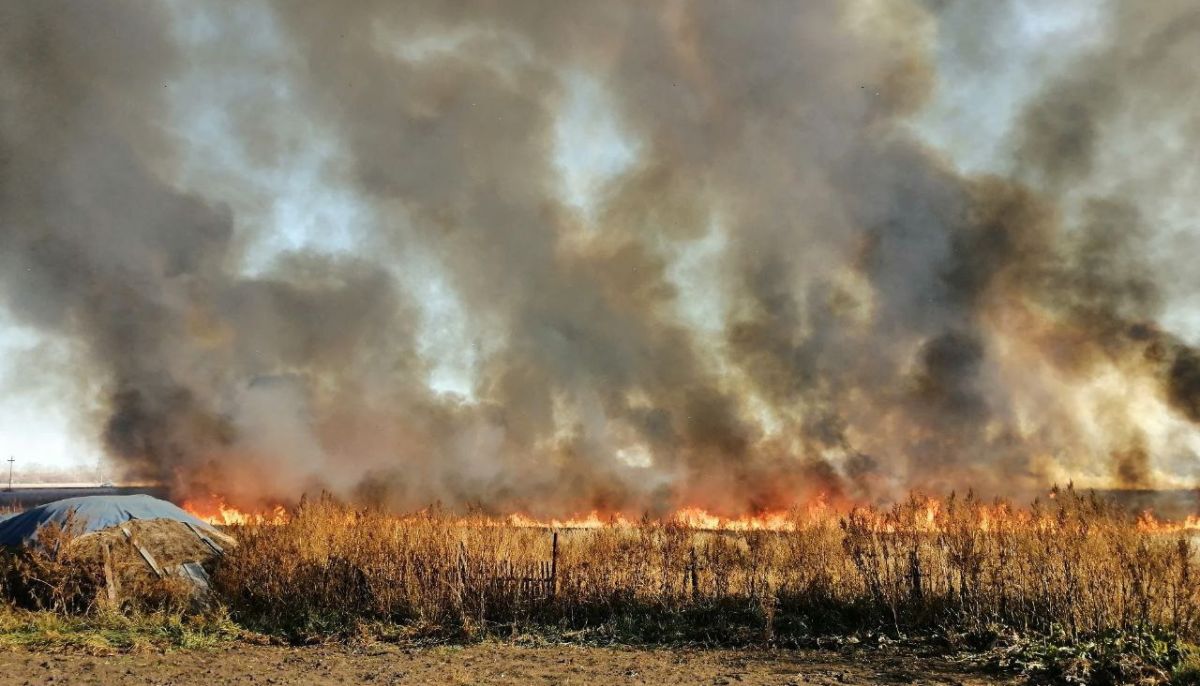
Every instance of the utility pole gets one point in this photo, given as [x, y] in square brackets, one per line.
[11, 460]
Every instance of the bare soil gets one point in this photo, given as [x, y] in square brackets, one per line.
[488, 663]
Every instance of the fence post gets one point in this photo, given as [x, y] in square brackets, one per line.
[554, 564]
[695, 581]
[914, 573]
[462, 565]
[110, 579]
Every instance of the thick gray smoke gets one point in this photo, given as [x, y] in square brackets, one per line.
[784, 293]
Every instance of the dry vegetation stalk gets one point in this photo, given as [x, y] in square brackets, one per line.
[1073, 565]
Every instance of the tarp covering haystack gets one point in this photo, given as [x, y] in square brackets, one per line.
[122, 542]
[91, 514]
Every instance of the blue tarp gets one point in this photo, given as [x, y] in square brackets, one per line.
[93, 512]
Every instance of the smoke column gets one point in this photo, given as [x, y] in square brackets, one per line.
[780, 291]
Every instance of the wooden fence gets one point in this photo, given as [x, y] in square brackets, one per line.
[529, 579]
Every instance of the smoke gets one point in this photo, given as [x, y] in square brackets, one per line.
[782, 293]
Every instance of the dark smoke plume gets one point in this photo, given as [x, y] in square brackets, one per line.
[871, 320]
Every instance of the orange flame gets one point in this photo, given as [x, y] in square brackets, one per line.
[925, 516]
[1149, 523]
[686, 517]
[214, 510]
[592, 520]
[697, 518]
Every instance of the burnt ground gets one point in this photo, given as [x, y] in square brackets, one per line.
[487, 663]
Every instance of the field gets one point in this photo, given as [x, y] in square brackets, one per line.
[1069, 590]
[24, 496]
[493, 663]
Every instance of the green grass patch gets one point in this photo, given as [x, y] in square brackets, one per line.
[1106, 658]
[109, 632]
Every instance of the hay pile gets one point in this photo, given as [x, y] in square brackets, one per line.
[121, 551]
[136, 553]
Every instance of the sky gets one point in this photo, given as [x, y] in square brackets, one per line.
[982, 85]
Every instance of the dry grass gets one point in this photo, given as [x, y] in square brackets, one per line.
[1070, 590]
[1067, 591]
[1073, 567]
[65, 573]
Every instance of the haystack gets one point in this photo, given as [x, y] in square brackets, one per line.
[139, 550]
[133, 539]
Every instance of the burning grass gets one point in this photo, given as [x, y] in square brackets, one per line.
[963, 568]
[1071, 571]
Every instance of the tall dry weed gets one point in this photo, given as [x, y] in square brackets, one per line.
[1071, 565]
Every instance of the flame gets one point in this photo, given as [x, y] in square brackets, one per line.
[592, 520]
[925, 515]
[697, 518]
[214, 510]
[1149, 523]
[686, 517]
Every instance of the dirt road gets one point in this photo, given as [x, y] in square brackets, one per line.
[488, 663]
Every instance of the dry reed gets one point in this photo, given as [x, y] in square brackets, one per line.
[1074, 566]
